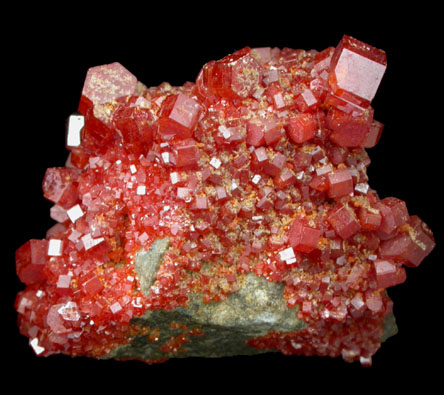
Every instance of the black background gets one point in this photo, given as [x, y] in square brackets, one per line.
[47, 54]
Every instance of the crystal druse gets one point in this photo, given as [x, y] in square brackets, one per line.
[231, 215]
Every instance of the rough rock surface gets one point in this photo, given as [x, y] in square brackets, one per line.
[147, 263]
[256, 309]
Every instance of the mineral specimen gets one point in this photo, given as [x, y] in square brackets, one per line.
[228, 216]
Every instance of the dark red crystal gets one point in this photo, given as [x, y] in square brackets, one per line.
[259, 166]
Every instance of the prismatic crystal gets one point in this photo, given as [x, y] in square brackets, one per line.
[228, 216]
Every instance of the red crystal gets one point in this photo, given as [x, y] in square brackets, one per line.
[343, 220]
[274, 166]
[393, 214]
[178, 116]
[59, 186]
[31, 259]
[303, 237]
[134, 121]
[340, 183]
[302, 127]
[410, 246]
[356, 71]
[349, 129]
[255, 133]
[369, 218]
[388, 273]
[257, 167]
[234, 76]
[373, 135]
[263, 130]
[108, 82]
[186, 153]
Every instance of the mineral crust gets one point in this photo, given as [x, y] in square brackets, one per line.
[229, 216]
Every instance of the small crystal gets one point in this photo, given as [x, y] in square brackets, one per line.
[183, 193]
[143, 238]
[74, 213]
[165, 157]
[340, 183]
[302, 127]
[74, 128]
[256, 178]
[215, 162]
[137, 303]
[342, 260]
[141, 190]
[55, 247]
[388, 273]
[369, 219]
[69, 311]
[58, 213]
[186, 153]
[34, 343]
[344, 222]
[74, 236]
[89, 242]
[261, 154]
[394, 213]
[323, 170]
[174, 177]
[365, 361]
[64, 281]
[362, 187]
[290, 261]
[221, 193]
[201, 202]
[303, 237]
[115, 307]
[225, 132]
[287, 254]
[23, 304]
[178, 116]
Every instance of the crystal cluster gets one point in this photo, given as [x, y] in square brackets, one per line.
[257, 168]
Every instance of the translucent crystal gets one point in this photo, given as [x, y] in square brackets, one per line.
[248, 185]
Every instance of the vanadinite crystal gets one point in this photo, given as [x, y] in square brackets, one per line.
[228, 216]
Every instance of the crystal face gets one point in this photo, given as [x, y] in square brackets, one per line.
[249, 184]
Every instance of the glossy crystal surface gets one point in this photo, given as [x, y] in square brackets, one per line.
[259, 166]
